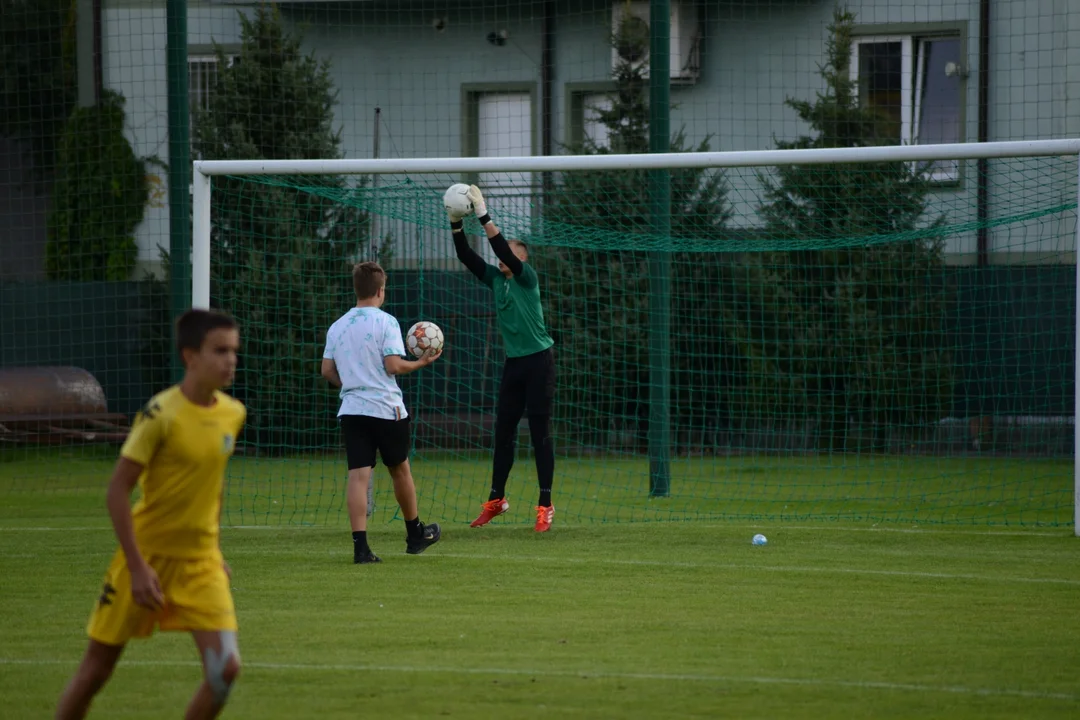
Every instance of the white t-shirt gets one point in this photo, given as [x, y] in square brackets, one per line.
[357, 343]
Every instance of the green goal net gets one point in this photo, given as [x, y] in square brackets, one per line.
[890, 340]
[834, 349]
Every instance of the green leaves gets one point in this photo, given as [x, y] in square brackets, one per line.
[597, 300]
[274, 101]
[37, 74]
[273, 246]
[865, 321]
[847, 329]
[99, 197]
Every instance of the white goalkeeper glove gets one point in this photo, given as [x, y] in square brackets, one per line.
[477, 199]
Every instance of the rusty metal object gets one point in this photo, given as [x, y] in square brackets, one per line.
[55, 404]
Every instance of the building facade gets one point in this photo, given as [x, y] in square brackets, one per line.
[526, 76]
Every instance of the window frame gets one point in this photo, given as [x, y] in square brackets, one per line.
[910, 35]
[470, 118]
[574, 121]
[907, 45]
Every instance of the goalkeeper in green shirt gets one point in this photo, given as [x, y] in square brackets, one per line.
[528, 379]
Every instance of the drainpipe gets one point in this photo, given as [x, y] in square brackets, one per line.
[547, 66]
[88, 51]
[98, 83]
[176, 79]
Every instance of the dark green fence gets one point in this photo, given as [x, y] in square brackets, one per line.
[1011, 336]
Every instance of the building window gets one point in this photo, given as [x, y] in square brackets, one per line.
[592, 104]
[916, 83]
[584, 103]
[202, 75]
[503, 126]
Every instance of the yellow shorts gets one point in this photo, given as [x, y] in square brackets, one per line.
[197, 597]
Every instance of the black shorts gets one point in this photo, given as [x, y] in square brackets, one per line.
[528, 382]
[364, 435]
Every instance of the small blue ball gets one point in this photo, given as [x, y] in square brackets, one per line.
[759, 539]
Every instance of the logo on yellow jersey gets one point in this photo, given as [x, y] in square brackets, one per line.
[227, 443]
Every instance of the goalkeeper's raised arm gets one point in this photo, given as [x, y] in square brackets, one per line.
[465, 254]
[509, 258]
[512, 255]
[528, 377]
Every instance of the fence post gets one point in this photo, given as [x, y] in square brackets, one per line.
[660, 261]
[176, 42]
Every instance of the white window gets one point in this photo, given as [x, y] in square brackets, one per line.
[202, 74]
[592, 105]
[504, 128]
[915, 82]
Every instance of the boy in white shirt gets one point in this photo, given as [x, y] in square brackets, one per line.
[364, 351]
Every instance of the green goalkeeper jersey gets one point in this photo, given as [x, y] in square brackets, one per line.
[518, 310]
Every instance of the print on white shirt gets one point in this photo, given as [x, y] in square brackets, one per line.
[357, 343]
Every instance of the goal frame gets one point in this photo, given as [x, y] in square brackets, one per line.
[204, 170]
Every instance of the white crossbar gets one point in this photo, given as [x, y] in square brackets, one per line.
[658, 161]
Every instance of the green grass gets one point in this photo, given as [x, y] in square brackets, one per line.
[652, 619]
[872, 488]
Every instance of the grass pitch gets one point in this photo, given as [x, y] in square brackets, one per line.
[596, 619]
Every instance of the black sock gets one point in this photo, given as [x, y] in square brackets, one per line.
[359, 542]
[412, 527]
[540, 430]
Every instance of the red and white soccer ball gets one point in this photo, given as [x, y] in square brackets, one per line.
[423, 336]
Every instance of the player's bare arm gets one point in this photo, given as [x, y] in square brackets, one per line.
[329, 371]
[145, 586]
[400, 366]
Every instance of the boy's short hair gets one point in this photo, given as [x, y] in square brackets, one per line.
[194, 325]
[367, 278]
[521, 243]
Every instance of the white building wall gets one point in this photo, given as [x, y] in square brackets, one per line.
[134, 63]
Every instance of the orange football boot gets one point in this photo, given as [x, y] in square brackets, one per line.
[492, 509]
[544, 516]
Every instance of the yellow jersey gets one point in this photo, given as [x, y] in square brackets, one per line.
[183, 448]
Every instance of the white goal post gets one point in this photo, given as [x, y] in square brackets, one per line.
[204, 170]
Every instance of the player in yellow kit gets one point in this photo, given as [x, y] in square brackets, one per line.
[169, 571]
